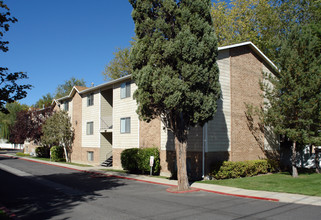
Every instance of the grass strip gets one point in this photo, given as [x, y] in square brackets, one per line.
[305, 184]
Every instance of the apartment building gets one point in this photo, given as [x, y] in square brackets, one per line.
[105, 120]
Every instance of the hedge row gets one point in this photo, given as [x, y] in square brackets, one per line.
[137, 160]
[231, 169]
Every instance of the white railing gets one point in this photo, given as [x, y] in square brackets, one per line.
[106, 122]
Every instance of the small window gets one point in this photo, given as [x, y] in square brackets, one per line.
[90, 155]
[125, 125]
[90, 100]
[125, 90]
[66, 106]
[90, 128]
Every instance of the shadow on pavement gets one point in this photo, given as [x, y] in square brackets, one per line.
[44, 197]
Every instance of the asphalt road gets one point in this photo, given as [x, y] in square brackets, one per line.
[37, 191]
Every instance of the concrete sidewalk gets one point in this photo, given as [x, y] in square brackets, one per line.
[211, 188]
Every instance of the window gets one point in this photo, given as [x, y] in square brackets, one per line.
[90, 100]
[125, 90]
[90, 155]
[66, 106]
[125, 125]
[90, 128]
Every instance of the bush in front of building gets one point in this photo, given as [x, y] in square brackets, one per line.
[43, 152]
[144, 160]
[138, 160]
[57, 153]
[129, 159]
[230, 169]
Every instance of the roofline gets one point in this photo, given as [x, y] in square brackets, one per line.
[248, 43]
[105, 84]
[259, 52]
[92, 88]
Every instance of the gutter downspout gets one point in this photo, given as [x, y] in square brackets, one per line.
[204, 148]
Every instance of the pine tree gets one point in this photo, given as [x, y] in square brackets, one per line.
[294, 101]
[174, 67]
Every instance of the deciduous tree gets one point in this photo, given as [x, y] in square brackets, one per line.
[10, 90]
[64, 89]
[174, 67]
[58, 131]
[28, 125]
[119, 66]
[8, 120]
[45, 101]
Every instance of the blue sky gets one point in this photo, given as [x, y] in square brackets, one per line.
[57, 39]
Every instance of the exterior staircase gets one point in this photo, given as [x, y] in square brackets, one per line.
[108, 162]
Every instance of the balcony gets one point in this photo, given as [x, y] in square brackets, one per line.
[106, 124]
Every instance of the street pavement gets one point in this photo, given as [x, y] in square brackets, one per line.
[90, 193]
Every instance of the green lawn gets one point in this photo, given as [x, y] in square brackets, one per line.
[306, 184]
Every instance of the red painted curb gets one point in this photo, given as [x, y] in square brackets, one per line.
[96, 174]
[242, 196]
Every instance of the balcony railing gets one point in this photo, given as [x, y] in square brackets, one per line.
[106, 123]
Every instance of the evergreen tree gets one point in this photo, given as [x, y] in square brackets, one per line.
[174, 67]
[293, 107]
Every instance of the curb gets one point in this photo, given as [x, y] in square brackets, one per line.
[97, 174]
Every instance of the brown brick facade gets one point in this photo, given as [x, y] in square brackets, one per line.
[150, 133]
[246, 72]
[76, 154]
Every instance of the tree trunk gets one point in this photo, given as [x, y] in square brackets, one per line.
[66, 154]
[294, 168]
[181, 165]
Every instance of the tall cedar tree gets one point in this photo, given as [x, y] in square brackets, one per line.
[294, 101]
[10, 90]
[174, 67]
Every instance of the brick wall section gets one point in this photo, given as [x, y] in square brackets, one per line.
[116, 158]
[149, 134]
[76, 124]
[246, 72]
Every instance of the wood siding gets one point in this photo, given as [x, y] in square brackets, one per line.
[91, 114]
[123, 108]
[219, 129]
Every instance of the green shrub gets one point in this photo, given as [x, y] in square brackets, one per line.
[144, 160]
[137, 160]
[43, 152]
[57, 153]
[129, 159]
[231, 169]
